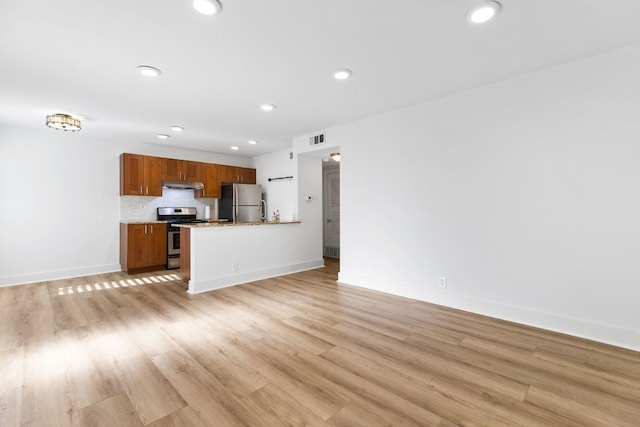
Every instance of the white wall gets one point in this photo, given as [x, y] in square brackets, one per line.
[524, 194]
[60, 204]
[281, 194]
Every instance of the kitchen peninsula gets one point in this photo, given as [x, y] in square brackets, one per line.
[217, 255]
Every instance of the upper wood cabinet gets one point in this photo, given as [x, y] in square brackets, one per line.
[181, 170]
[143, 175]
[237, 174]
[211, 179]
[248, 175]
[140, 175]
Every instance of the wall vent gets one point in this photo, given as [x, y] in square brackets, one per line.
[332, 252]
[317, 139]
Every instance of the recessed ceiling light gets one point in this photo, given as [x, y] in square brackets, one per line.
[253, 142]
[342, 74]
[148, 71]
[177, 128]
[234, 147]
[207, 7]
[163, 136]
[483, 12]
[268, 107]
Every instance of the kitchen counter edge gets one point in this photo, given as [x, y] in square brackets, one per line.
[136, 221]
[231, 224]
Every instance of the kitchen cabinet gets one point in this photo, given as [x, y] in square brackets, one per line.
[211, 179]
[181, 170]
[140, 175]
[237, 174]
[143, 247]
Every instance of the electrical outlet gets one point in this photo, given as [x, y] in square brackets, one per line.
[442, 282]
[143, 206]
[235, 266]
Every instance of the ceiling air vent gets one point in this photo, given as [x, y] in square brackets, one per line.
[317, 139]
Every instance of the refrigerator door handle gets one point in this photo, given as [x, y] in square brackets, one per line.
[263, 214]
[235, 202]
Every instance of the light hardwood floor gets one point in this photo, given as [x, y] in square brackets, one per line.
[118, 350]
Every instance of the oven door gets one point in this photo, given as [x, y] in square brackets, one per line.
[173, 242]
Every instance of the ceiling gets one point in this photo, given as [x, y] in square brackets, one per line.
[80, 57]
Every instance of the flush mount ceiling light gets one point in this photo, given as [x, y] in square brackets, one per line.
[483, 12]
[177, 128]
[253, 142]
[63, 122]
[233, 147]
[268, 107]
[163, 136]
[207, 7]
[335, 157]
[148, 71]
[342, 74]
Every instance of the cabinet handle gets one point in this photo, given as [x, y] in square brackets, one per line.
[147, 190]
[145, 229]
[141, 190]
[151, 229]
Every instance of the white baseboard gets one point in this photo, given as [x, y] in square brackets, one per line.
[608, 334]
[57, 274]
[251, 276]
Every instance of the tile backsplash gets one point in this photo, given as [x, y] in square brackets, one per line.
[131, 207]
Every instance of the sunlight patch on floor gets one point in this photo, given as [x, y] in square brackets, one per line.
[124, 283]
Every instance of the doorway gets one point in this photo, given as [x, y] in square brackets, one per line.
[331, 208]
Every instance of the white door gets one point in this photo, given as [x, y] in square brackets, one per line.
[331, 213]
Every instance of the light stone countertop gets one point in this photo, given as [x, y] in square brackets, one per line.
[231, 224]
[143, 222]
[137, 221]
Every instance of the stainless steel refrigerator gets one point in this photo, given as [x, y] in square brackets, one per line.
[242, 203]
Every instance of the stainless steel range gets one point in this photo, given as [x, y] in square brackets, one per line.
[176, 216]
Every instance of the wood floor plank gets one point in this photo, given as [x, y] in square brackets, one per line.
[81, 356]
[11, 368]
[354, 415]
[209, 350]
[296, 350]
[214, 404]
[181, 418]
[148, 390]
[277, 408]
[115, 411]
[584, 414]
[47, 398]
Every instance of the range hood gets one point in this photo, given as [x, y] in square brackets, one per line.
[183, 185]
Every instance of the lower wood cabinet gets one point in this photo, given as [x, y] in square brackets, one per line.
[143, 247]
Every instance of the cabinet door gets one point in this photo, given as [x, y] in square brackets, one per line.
[138, 246]
[152, 176]
[172, 169]
[131, 174]
[228, 174]
[191, 171]
[248, 176]
[211, 180]
[157, 234]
